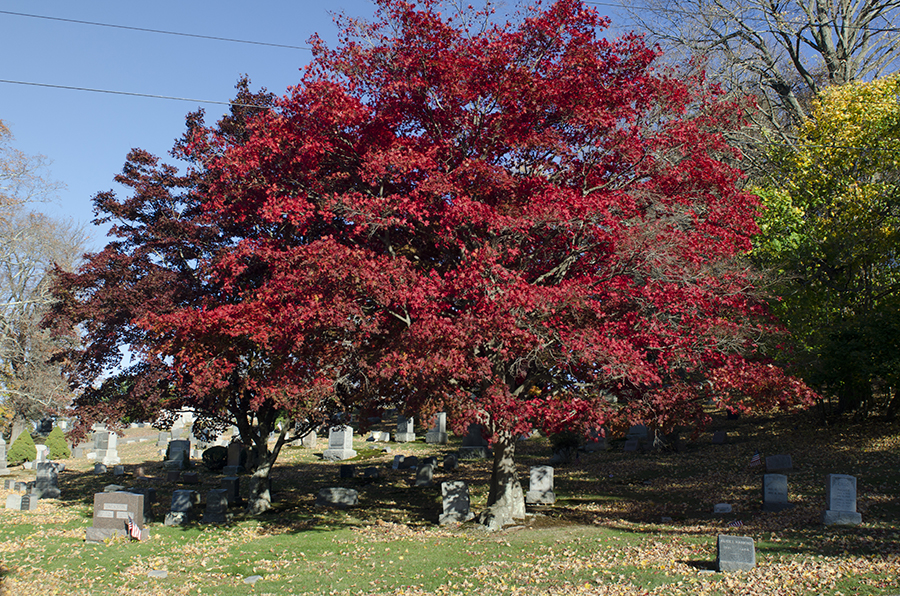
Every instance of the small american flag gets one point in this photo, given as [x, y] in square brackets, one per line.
[134, 530]
[735, 524]
[756, 460]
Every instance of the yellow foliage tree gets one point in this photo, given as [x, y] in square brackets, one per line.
[832, 229]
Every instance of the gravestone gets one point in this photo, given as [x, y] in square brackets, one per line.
[405, 431]
[237, 456]
[540, 486]
[455, 498]
[840, 499]
[735, 553]
[437, 435]
[216, 511]
[425, 475]
[43, 452]
[183, 507]
[99, 469]
[112, 510]
[638, 432]
[775, 492]
[450, 462]
[778, 463]
[119, 470]
[4, 471]
[474, 445]
[46, 486]
[408, 462]
[340, 444]
[22, 502]
[337, 497]
[309, 440]
[398, 461]
[631, 445]
[105, 450]
[232, 470]
[178, 454]
[163, 438]
[719, 437]
[380, 436]
[722, 508]
[595, 442]
[232, 484]
[371, 473]
[348, 471]
[190, 478]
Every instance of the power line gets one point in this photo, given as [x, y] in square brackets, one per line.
[145, 30]
[131, 94]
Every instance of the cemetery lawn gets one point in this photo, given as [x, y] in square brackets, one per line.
[623, 523]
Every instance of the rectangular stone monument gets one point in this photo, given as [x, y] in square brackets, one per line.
[337, 497]
[595, 442]
[779, 463]
[4, 471]
[22, 502]
[405, 431]
[232, 484]
[183, 507]
[46, 486]
[474, 445]
[840, 499]
[540, 486]
[340, 444]
[179, 450]
[775, 492]
[380, 436]
[455, 497]
[631, 445]
[216, 511]
[309, 440]
[735, 553]
[112, 510]
[398, 461]
[437, 435]
[237, 456]
[105, 448]
[425, 475]
[638, 432]
[163, 438]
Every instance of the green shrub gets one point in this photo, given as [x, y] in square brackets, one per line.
[22, 450]
[56, 443]
[215, 458]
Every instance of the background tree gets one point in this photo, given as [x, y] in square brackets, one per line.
[832, 231]
[522, 224]
[30, 244]
[781, 52]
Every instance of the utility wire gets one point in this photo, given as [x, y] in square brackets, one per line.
[149, 95]
[258, 43]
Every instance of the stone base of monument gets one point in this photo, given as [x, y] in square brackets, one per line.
[841, 518]
[338, 454]
[540, 497]
[405, 437]
[434, 437]
[478, 452]
[337, 497]
[101, 534]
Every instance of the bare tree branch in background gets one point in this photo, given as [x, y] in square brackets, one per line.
[782, 52]
[30, 245]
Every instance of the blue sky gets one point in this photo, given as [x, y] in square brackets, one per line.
[87, 135]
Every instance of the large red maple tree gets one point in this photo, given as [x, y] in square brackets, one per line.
[523, 224]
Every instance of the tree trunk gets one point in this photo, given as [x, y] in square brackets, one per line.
[506, 501]
[260, 499]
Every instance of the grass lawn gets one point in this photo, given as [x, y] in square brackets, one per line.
[605, 534]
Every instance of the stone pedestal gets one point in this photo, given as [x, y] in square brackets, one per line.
[405, 431]
[437, 435]
[340, 444]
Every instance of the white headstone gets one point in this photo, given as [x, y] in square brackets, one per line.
[540, 486]
[840, 498]
[455, 496]
[405, 429]
[340, 444]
